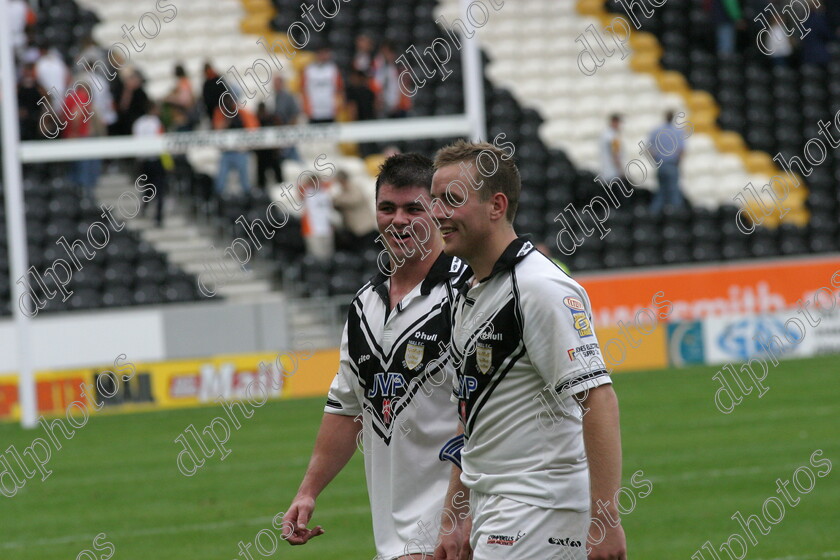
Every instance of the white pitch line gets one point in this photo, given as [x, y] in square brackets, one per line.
[170, 530]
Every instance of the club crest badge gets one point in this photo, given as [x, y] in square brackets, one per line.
[484, 357]
[413, 355]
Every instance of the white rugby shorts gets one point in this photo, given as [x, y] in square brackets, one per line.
[504, 529]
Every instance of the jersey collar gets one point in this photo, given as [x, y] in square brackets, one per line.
[518, 249]
[444, 268]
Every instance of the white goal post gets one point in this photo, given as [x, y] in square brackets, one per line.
[16, 153]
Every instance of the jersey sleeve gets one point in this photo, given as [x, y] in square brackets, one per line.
[559, 336]
[344, 394]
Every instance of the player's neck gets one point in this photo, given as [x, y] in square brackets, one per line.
[411, 273]
[482, 262]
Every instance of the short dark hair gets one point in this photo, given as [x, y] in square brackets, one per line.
[405, 170]
[505, 179]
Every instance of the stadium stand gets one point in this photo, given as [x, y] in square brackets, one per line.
[555, 176]
[63, 24]
[775, 107]
[543, 104]
[577, 107]
[131, 272]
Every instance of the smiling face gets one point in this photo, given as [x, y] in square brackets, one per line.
[396, 210]
[469, 223]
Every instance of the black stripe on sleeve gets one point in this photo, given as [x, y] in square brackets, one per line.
[578, 380]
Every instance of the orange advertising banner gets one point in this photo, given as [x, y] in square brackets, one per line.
[697, 292]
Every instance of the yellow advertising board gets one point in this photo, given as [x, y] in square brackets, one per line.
[129, 386]
[630, 348]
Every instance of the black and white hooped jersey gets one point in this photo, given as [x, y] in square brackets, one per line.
[395, 377]
[523, 345]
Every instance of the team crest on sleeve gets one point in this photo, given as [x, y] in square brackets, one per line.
[579, 318]
[413, 354]
[484, 357]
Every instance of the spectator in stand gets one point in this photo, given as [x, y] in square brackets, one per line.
[124, 70]
[286, 108]
[286, 111]
[728, 18]
[322, 88]
[361, 101]
[612, 154]
[316, 223]
[815, 43]
[778, 43]
[20, 16]
[228, 116]
[105, 114]
[179, 121]
[29, 93]
[212, 90]
[182, 95]
[363, 55]
[357, 217]
[361, 105]
[131, 104]
[84, 173]
[30, 53]
[53, 75]
[667, 145]
[391, 101]
[267, 159]
[147, 126]
[90, 55]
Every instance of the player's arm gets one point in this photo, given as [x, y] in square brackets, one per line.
[602, 440]
[586, 378]
[334, 446]
[454, 542]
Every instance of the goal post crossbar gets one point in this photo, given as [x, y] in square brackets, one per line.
[245, 139]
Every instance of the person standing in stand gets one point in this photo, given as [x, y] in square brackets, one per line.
[323, 88]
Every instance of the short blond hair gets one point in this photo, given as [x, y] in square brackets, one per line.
[504, 178]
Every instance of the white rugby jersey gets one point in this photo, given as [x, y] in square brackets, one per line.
[391, 373]
[321, 84]
[521, 332]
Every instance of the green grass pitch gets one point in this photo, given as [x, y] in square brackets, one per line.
[118, 476]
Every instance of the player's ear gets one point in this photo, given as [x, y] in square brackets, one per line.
[498, 206]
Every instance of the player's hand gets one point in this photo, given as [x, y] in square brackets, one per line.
[612, 547]
[455, 545]
[299, 514]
